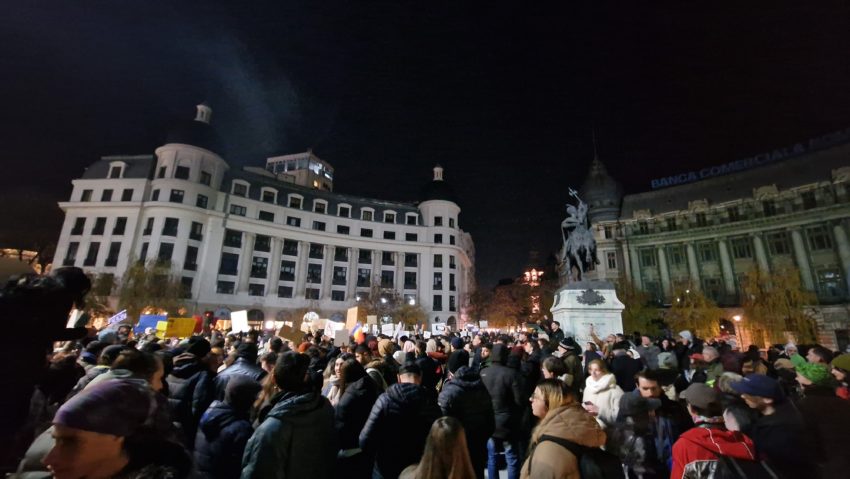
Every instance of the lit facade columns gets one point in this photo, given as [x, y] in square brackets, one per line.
[301, 269]
[761, 256]
[665, 273]
[210, 259]
[351, 274]
[377, 259]
[843, 251]
[274, 267]
[726, 266]
[693, 267]
[399, 273]
[802, 258]
[327, 271]
[247, 255]
[635, 261]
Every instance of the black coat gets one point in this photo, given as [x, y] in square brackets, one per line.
[466, 398]
[624, 368]
[353, 410]
[398, 427]
[191, 391]
[430, 376]
[505, 387]
[241, 366]
[220, 442]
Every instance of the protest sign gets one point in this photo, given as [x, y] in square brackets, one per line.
[341, 337]
[175, 328]
[333, 326]
[148, 321]
[239, 321]
[438, 329]
[482, 324]
[397, 331]
[371, 319]
[387, 329]
[118, 317]
[305, 327]
[351, 316]
[427, 334]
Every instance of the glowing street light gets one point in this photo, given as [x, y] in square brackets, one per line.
[737, 317]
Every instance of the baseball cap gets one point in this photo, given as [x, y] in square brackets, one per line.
[700, 395]
[759, 385]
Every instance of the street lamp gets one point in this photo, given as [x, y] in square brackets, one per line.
[737, 317]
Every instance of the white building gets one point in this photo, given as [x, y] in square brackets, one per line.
[268, 239]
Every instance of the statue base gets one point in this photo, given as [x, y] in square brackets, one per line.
[583, 304]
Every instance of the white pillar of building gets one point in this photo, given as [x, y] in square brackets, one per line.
[802, 259]
[626, 262]
[665, 273]
[247, 255]
[843, 251]
[301, 270]
[761, 256]
[351, 274]
[726, 266]
[327, 271]
[274, 267]
[693, 267]
[635, 261]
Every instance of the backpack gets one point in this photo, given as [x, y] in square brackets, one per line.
[734, 468]
[593, 462]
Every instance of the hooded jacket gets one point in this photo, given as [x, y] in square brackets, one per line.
[240, 366]
[548, 459]
[191, 391]
[604, 394]
[353, 409]
[398, 427]
[505, 387]
[220, 442]
[695, 453]
[296, 439]
[465, 397]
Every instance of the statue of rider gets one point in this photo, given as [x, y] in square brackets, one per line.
[579, 246]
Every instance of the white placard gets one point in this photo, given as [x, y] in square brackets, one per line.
[239, 321]
[438, 328]
[371, 319]
[406, 333]
[120, 316]
[341, 337]
[333, 326]
[387, 329]
[482, 324]
[397, 332]
[427, 334]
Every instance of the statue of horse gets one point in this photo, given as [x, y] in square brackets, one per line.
[579, 248]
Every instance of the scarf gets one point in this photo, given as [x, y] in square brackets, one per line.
[597, 386]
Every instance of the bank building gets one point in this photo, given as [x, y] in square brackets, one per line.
[269, 238]
[711, 232]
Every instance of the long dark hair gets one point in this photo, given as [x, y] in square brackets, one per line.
[446, 455]
[350, 371]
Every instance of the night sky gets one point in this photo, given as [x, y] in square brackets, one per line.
[503, 95]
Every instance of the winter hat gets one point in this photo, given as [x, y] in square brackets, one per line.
[385, 347]
[458, 359]
[241, 392]
[686, 335]
[700, 395]
[457, 343]
[568, 343]
[399, 356]
[761, 386]
[119, 407]
[842, 361]
[247, 351]
[198, 346]
[107, 336]
[783, 363]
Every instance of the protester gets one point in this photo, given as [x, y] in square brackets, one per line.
[624, 367]
[570, 352]
[386, 350]
[244, 364]
[358, 394]
[841, 372]
[632, 440]
[814, 369]
[505, 387]
[406, 405]
[332, 389]
[375, 368]
[445, 455]
[108, 355]
[601, 393]
[670, 420]
[134, 364]
[648, 352]
[297, 437]
[561, 417]
[713, 367]
[191, 388]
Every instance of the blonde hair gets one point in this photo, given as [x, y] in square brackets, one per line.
[555, 394]
[446, 455]
[600, 363]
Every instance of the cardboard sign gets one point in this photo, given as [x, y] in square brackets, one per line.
[397, 332]
[482, 324]
[351, 316]
[239, 321]
[120, 316]
[341, 337]
[406, 333]
[387, 329]
[333, 326]
[371, 319]
[427, 334]
[148, 321]
[175, 328]
[305, 327]
[319, 324]
[438, 329]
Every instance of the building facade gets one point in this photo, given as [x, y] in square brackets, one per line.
[269, 239]
[710, 233]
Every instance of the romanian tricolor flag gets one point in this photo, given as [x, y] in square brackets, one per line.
[358, 334]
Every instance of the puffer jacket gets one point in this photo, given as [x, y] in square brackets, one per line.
[240, 366]
[466, 398]
[296, 439]
[398, 427]
[505, 387]
[191, 391]
[548, 459]
[624, 368]
[353, 409]
[604, 394]
[695, 453]
[220, 442]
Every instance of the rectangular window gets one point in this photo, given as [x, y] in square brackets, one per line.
[120, 226]
[389, 235]
[79, 226]
[165, 252]
[311, 293]
[268, 197]
[830, 284]
[127, 194]
[451, 222]
[778, 243]
[387, 258]
[86, 196]
[155, 195]
[143, 254]
[182, 173]
[438, 238]
[410, 219]
[410, 260]
[319, 225]
[707, 252]
[232, 238]
[387, 279]
[364, 277]
[344, 211]
[112, 257]
[701, 219]
[366, 215]
[452, 304]
[206, 178]
[229, 264]
[317, 251]
[293, 221]
[314, 273]
[176, 196]
[259, 267]
[769, 207]
[240, 189]
[337, 295]
[170, 227]
[389, 217]
[612, 260]
[438, 302]
[609, 232]
[452, 285]
[238, 210]
[262, 243]
[295, 202]
[290, 247]
[643, 227]
[115, 172]
[284, 291]
[161, 172]
[451, 239]
[411, 237]
[648, 258]
[364, 256]
[343, 230]
[340, 254]
[339, 275]
[99, 226]
[742, 248]
[819, 238]
[438, 281]
[320, 207]
[734, 214]
[196, 232]
[438, 221]
[186, 284]
[712, 288]
[438, 261]
[202, 201]
[148, 227]
[452, 264]
[809, 200]
[409, 280]
[191, 261]
[106, 195]
[671, 224]
[266, 216]
[71, 254]
[676, 255]
[366, 232]
[225, 287]
[287, 270]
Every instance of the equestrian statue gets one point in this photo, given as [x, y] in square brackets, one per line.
[579, 250]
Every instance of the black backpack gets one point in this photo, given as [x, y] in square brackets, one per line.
[593, 463]
[733, 468]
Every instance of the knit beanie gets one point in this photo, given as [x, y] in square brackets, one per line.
[457, 360]
[198, 346]
[241, 392]
[385, 347]
[842, 361]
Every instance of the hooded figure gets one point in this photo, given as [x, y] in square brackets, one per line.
[245, 364]
[190, 387]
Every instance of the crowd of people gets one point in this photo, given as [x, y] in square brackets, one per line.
[537, 404]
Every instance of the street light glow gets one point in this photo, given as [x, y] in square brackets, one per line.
[737, 317]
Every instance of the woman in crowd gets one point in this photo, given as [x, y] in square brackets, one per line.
[446, 455]
[358, 395]
[601, 393]
[561, 417]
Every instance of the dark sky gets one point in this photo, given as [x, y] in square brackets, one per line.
[503, 95]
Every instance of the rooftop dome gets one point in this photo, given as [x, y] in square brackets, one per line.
[601, 192]
[197, 132]
[438, 189]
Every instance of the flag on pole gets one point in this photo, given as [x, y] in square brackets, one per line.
[359, 335]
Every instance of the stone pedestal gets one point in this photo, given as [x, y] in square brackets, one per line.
[584, 303]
